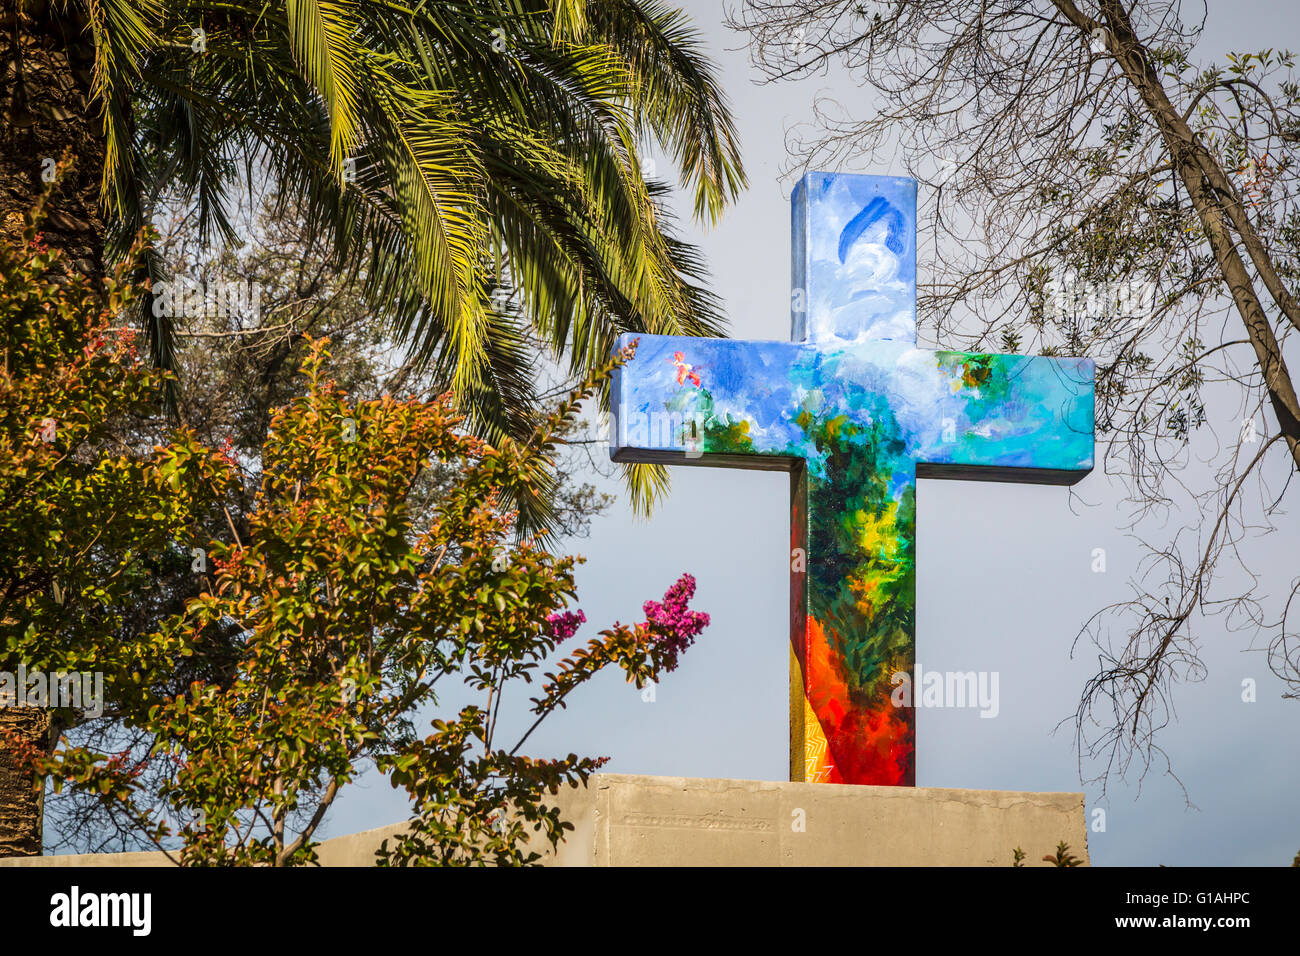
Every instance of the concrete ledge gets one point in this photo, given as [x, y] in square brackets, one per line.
[677, 821]
[630, 820]
[74, 860]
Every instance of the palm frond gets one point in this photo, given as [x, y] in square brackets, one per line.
[442, 149]
[326, 51]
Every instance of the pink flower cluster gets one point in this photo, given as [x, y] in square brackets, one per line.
[563, 624]
[672, 623]
[224, 451]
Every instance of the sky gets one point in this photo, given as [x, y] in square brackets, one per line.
[1005, 579]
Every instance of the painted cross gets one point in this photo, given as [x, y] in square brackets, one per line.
[856, 412]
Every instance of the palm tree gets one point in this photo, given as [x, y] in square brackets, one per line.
[475, 164]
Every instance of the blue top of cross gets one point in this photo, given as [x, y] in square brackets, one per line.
[854, 259]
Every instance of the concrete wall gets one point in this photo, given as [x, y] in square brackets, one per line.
[628, 820]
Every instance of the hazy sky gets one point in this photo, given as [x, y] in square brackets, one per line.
[1004, 583]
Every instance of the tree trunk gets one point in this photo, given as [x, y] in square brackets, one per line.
[21, 794]
[44, 81]
[44, 78]
[1193, 163]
